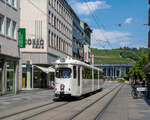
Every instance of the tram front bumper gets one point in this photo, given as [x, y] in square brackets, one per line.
[62, 93]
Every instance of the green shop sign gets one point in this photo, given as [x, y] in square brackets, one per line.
[21, 37]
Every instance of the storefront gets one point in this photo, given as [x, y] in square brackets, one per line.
[10, 79]
[8, 75]
[36, 77]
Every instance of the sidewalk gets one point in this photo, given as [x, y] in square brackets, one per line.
[25, 97]
[124, 107]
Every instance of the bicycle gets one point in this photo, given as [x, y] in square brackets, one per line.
[138, 92]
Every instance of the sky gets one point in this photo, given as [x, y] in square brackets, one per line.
[115, 23]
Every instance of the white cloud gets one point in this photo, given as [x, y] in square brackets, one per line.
[128, 20]
[86, 8]
[99, 37]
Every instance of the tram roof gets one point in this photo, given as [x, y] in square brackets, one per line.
[74, 62]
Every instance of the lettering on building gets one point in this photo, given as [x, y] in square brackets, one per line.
[39, 44]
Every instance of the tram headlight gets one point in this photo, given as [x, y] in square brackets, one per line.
[62, 87]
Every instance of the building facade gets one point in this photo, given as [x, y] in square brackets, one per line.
[9, 52]
[78, 38]
[87, 41]
[48, 25]
[114, 71]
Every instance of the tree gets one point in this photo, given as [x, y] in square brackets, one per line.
[123, 74]
[136, 71]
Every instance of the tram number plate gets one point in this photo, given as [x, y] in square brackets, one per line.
[141, 89]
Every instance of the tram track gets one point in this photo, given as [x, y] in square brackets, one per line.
[31, 109]
[35, 112]
[35, 115]
[99, 115]
[90, 105]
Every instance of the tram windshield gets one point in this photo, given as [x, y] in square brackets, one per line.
[63, 73]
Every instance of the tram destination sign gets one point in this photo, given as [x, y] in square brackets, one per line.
[21, 37]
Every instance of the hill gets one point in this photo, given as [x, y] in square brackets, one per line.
[118, 56]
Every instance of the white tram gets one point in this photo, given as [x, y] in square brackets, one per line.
[76, 78]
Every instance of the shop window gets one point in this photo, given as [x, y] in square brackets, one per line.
[10, 76]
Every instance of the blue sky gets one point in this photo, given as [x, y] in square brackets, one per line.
[131, 14]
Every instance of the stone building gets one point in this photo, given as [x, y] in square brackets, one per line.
[48, 25]
[9, 52]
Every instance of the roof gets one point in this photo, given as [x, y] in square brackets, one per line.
[73, 62]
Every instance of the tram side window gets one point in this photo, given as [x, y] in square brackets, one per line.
[86, 73]
[100, 74]
[95, 74]
[74, 72]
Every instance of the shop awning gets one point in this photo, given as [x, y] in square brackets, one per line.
[46, 69]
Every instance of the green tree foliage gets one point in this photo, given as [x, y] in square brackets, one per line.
[123, 74]
[136, 71]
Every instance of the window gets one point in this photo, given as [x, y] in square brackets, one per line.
[86, 73]
[74, 72]
[52, 17]
[14, 30]
[8, 27]
[8, 1]
[63, 73]
[57, 43]
[10, 76]
[60, 44]
[49, 37]
[95, 74]
[1, 24]
[14, 3]
[101, 75]
[55, 22]
[49, 13]
[52, 39]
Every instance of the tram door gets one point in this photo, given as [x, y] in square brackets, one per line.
[79, 75]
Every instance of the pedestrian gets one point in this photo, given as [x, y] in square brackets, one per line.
[132, 84]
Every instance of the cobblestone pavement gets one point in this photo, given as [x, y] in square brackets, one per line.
[124, 107]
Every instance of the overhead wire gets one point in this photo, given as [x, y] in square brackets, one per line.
[97, 23]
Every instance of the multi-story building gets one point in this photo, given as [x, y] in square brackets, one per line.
[9, 52]
[48, 25]
[78, 38]
[87, 44]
